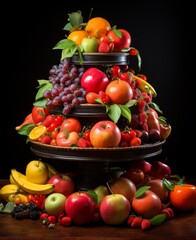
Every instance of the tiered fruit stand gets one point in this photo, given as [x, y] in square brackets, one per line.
[93, 163]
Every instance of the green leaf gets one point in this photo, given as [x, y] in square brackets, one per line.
[130, 103]
[68, 52]
[162, 120]
[141, 190]
[44, 85]
[114, 112]
[155, 107]
[126, 112]
[158, 219]
[64, 44]
[25, 129]
[80, 50]
[68, 27]
[118, 33]
[75, 18]
[93, 195]
[40, 102]
[7, 208]
[139, 60]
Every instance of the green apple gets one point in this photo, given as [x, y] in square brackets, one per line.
[101, 192]
[89, 44]
[55, 204]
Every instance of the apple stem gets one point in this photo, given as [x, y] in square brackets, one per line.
[109, 187]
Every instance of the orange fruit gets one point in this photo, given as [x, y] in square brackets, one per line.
[37, 132]
[119, 91]
[77, 36]
[183, 197]
[98, 27]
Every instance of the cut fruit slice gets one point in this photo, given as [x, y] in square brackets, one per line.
[37, 132]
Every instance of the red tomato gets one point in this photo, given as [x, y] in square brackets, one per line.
[39, 114]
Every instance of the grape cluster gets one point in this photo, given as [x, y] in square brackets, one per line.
[66, 89]
[23, 211]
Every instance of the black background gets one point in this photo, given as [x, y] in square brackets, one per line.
[159, 30]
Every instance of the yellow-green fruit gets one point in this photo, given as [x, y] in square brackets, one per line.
[7, 190]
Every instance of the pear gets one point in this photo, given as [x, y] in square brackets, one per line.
[101, 192]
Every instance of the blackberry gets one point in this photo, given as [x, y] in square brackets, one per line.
[23, 214]
[34, 215]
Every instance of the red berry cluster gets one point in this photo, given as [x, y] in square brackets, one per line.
[138, 222]
[51, 220]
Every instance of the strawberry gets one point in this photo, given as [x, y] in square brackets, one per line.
[130, 219]
[136, 222]
[145, 224]
[103, 47]
[65, 221]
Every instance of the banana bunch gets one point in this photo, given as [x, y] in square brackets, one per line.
[145, 86]
[21, 181]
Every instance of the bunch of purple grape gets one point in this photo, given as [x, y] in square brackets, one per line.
[66, 89]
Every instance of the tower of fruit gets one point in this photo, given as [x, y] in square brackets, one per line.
[95, 109]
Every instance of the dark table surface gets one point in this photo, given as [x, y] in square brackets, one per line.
[182, 226]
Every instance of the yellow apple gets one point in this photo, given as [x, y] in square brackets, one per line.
[37, 172]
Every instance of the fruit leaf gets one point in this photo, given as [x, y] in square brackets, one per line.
[68, 52]
[169, 185]
[139, 60]
[68, 27]
[158, 219]
[43, 86]
[80, 50]
[155, 107]
[40, 102]
[131, 103]
[126, 112]
[118, 33]
[114, 112]
[141, 190]
[25, 129]
[93, 195]
[162, 120]
[64, 43]
[7, 208]
[75, 18]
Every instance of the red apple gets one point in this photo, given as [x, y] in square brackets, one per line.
[67, 139]
[146, 205]
[124, 186]
[115, 209]
[160, 170]
[71, 124]
[105, 134]
[80, 207]
[120, 42]
[63, 184]
[136, 175]
[142, 164]
[94, 80]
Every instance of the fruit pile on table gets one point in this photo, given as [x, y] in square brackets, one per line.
[140, 196]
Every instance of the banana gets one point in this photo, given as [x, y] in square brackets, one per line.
[145, 86]
[30, 187]
[7, 190]
[51, 170]
[12, 180]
